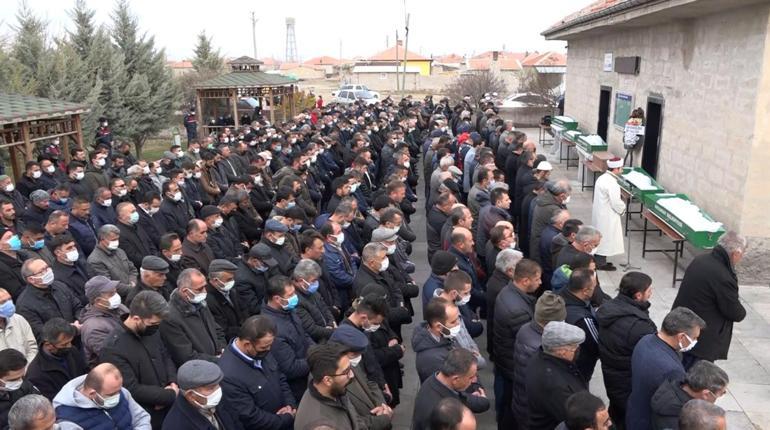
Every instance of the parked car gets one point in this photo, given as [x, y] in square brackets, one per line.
[525, 100]
[349, 96]
[354, 87]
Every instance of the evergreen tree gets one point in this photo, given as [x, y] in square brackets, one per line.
[83, 35]
[207, 61]
[29, 48]
[148, 94]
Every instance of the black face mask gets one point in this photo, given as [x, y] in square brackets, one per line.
[149, 330]
[261, 355]
[61, 352]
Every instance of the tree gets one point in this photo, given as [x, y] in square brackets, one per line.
[546, 85]
[28, 48]
[148, 94]
[83, 36]
[207, 61]
[475, 85]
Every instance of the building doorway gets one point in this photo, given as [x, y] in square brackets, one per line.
[652, 131]
[605, 96]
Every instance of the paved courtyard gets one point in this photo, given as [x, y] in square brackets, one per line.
[748, 397]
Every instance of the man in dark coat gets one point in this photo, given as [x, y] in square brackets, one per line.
[710, 289]
[291, 341]
[622, 322]
[552, 375]
[194, 407]
[134, 240]
[251, 277]
[221, 300]
[555, 197]
[317, 319]
[136, 348]
[704, 381]
[456, 375]
[657, 358]
[190, 331]
[13, 366]
[253, 384]
[196, 253]
[580, 313]
[505, 264]
[57, 362]
[174, 210]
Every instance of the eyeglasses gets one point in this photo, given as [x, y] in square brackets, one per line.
[347, 372]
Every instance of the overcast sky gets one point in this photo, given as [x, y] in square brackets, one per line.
[361, 26]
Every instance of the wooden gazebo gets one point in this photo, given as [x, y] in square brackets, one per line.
[244, 80]
[27, 120]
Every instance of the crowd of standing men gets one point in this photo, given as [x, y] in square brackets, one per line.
[260, 279]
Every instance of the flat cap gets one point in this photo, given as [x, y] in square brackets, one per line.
[442, 262]
[351, 337]
[262, 252]
[475, 137]
[39, 196]
[221, 265]
[99, 285]
[382, 234]
[557, 334]
[275, 225]
[209, 210]
[154, 264]
[198, 373]
[451, 185]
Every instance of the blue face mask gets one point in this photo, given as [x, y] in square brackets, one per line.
[7, 309]
[39, 244]
[64, 200]
[312, 287]
[293, 301]
[296, 227]
[14, 243]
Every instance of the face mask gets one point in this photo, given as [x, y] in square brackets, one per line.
[278, 148]
[463, 300]
[107, 203]
[372, 328]
[79, 176]
[113, 245]
[291, 303]
[384, 265]
[407, 164]
[355, 361]
[340, 238]
[354, 187]
[149, 330]
[9, 188]
[39, 244]
[180, 154]
[146, 170]
[450, 333]
[158, 170]
[218, 222]
[280, 241]
[227, 286]
[153, 211]
[176, 257]
[567, 199]
[391, 249]
[198, 298]
[109, 402]
[296, 227]
[47, 277]
[114, 301]
[7, 309]
[180, 183]
[688, 347]
[291, 205]
[12, 385]
[312, 287]
[212, 400]
[72, 256]
[64, 200]
[177, 196]
[37, 174]
[50, 169]
[134, 218]
[197, 175]
[345, 225]
[14, 243]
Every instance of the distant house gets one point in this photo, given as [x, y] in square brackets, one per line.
[179, 68]
[547, 62]
[328, 65]
[448, 63]
[300, 71]
[394, 56]
[269, 63]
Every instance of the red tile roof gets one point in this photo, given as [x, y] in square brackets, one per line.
[322, 61]
[396, 53]
[501, 54]
[449, 59]
[548, 58]
[184, 64]
[508, 61]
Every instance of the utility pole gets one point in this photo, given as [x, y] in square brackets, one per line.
[254, 33]
[406, 45]
[397, 69]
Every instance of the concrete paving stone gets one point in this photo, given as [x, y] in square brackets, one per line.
[740, 421]
[760, 420]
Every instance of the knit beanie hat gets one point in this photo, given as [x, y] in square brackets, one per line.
[550, 307]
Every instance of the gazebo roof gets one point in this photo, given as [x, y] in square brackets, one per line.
[18, 108]
[245, 60]
[247, 80]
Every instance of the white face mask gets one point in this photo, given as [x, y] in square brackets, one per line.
[384, 265]
[100, 162]
[218, 222]
[355, 361]
[9, 188]
[72, 256]
[79, 176]
[37, 174]
[197, 175]
[177, 196]
[50, 169]
[153, 211]
[451, 333]
[198, 298]
[280, 241]
[212, 400]
[13, 385]
[48, 277]
[109, 402]
[107, 203]
[122, 193]
[340, 238]
[688, 347]
[146, 170]
[114, 301]
[113, 245]
[176, 257]
[391, 249]
[463, 300]
[227, 286]
[372, 328]
[567, 199]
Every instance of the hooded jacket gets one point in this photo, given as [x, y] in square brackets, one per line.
[96, 326]
[430, 352]
[667, 403]
[76, 411]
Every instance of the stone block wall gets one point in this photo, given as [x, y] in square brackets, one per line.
[708, 71]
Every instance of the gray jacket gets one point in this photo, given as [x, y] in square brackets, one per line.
[96, 326]
[114, 265]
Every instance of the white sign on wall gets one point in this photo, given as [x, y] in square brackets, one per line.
[608, 62]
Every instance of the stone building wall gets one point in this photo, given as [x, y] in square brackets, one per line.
[709, 71]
